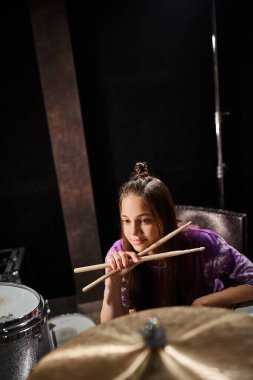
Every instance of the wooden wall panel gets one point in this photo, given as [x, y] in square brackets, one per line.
[61, 99]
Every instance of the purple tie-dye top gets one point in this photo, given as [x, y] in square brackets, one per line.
[209, 271]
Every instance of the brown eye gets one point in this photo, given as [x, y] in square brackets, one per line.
[146, 221]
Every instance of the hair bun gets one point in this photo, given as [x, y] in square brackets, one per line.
[140, 170]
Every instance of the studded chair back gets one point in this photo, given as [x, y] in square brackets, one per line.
[232, 226]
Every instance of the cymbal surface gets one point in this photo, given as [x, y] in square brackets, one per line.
[201, 343]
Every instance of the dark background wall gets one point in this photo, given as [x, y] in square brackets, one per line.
[146, 86]
[31, 214]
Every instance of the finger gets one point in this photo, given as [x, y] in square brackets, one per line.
[110, 268]
[125, 259]
[134, 257]
[118, 260]
[111, 261]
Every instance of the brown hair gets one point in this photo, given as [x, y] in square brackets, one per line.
[158, 198]
[155, 194]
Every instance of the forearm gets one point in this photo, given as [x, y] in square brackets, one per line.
[112, 306]
[227, 297]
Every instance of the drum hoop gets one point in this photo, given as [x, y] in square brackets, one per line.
[24, 321]
[69, 315]
[25, 330]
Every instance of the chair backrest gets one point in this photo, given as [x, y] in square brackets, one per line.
[232, 226]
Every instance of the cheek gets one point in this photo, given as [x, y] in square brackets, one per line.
[125, 229]
[154, 232]
[160, 230]
[157, 232]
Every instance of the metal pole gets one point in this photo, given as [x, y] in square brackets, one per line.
[220, 164]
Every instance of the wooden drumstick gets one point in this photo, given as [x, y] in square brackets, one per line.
[145, 251]
[157, 256]
[150, 248]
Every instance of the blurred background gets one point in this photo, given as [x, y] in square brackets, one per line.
[142, 75]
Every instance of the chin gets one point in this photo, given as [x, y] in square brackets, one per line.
[139, 248]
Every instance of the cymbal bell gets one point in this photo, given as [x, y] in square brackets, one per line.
[200, 343]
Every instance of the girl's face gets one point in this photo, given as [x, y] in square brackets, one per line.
[139, 226]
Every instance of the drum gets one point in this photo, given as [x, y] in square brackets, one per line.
[24, 332]
[64, 326]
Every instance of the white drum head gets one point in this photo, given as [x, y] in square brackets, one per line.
[246, 309]
[68, 325]
[16, 301]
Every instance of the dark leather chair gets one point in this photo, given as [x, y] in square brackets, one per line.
[232, 226]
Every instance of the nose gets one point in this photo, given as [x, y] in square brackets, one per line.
[135, 229]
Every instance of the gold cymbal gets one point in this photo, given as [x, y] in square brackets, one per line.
[200, 343]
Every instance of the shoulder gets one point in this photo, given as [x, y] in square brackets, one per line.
[197, 235]
[216, 246]
[116, 247]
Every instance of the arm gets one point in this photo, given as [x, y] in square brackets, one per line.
[112, 306]
[226, 265]
[227, 297]
[112, 302]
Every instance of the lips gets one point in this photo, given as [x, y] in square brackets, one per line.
[137, 242]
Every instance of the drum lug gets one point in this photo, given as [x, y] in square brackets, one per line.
[47, 307]
[37, 336]
[36, 331]
[4, 337]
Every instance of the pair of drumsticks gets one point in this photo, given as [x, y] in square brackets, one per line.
[142, 259]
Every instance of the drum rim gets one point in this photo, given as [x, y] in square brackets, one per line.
[24, 320]
[76, 314]
[58, 322]
[20, 331]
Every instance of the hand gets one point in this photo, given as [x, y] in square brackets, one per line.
[123, 261]
[201, 301]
